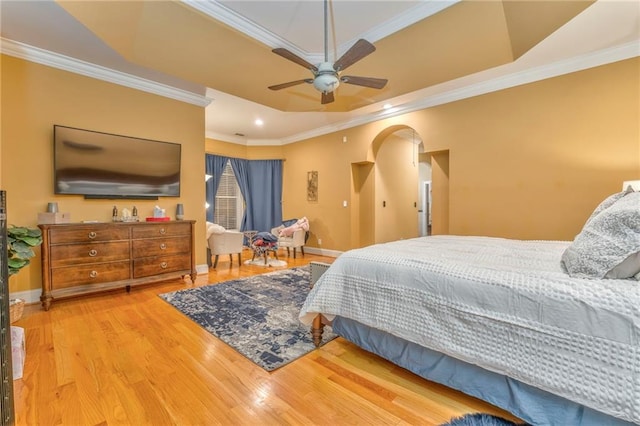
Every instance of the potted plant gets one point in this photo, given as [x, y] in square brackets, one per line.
[20, 243]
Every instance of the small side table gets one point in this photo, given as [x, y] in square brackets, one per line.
[264, 251]
[249, 236]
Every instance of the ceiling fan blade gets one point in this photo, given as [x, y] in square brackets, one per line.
[358, 51]
[294, 58]
[291, 83]
[327, 98]
[375, 83]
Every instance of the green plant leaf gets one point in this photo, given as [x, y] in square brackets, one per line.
[17, 263]
[32, 241]
[34, 232]
[20, 239]
[20, 250]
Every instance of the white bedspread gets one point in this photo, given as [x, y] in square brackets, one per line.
[504, 305]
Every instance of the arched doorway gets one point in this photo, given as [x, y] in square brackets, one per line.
[388, 190]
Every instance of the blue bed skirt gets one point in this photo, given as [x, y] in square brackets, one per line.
[532, 405]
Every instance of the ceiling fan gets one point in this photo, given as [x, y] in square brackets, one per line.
[326, 76]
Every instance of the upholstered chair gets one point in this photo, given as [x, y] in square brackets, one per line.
[295, 241]
[227, 242]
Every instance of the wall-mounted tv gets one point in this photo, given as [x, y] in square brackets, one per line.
[103, 165]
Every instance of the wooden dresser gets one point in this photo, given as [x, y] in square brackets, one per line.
[90, 257]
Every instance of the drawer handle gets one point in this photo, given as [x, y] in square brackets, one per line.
[164, 265]
[92, 235]
[163, 246]
[163, 231]
[93, 274]
[93, 252]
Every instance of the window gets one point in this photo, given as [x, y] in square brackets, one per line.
[229, 203]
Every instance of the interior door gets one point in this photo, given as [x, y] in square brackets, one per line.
[424, 212]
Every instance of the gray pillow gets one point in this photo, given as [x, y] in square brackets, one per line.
[609, 201]
[607, 239]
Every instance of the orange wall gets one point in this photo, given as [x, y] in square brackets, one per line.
[35, 97]
[533, 161]
[529, 162]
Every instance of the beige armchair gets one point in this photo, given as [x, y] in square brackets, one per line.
[228, 242]
[295, 241]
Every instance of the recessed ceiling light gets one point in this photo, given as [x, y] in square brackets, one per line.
[387, 106]
[259, 122]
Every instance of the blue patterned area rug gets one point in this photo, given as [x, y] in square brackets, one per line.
[257, 316]
[479, 419]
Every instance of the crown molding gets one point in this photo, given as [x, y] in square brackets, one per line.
[238, 22]
[409, 17]
[239, 140]
[56, 60]
[578, 63]
[229, 17]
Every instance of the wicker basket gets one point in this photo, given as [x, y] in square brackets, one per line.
[16, 306]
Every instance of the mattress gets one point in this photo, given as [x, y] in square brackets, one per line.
[503, 305]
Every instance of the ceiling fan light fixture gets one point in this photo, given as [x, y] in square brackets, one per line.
[326, 83]
[326, 78]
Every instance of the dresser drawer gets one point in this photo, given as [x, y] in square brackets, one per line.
[73, 276]
[161, 246]
[74, 254]
[87, 234]
[149, 266]
[161, 230]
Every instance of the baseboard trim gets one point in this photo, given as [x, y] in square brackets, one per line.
[322, 252]
[202, 269]
[29, 296]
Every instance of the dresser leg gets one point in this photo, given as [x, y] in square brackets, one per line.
[128, 288]
[46, 301]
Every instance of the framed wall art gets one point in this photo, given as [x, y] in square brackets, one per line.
[312, 186]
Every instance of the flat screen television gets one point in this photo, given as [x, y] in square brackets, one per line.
[103, 165]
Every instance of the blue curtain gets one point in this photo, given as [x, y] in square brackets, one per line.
[241, 170]
[214, 166]
[260, 182]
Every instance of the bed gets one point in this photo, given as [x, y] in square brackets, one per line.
[512, 322]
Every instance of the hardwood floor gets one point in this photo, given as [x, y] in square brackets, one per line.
[118, 358]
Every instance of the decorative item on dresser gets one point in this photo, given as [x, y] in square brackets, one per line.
[179, 211]
[87, 258]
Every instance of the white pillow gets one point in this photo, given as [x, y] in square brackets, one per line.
[213, 228]
[627, 269]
